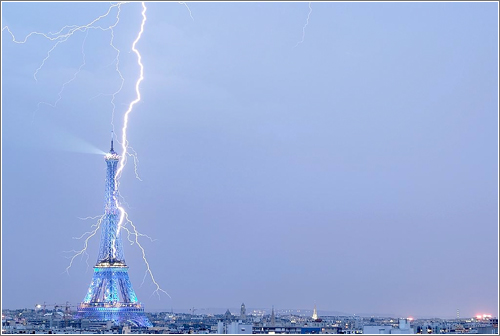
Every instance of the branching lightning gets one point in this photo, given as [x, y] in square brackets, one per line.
[189, 10]
[148, 269]
[123, 200]
[69, 81]
[83, 251]
[136, 161]
[89, 217]
[124, 144]
[304, 28]
[62, 36]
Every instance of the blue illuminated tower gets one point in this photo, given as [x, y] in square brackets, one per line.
[110, 295]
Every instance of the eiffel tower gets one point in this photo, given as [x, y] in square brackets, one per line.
[110, 296]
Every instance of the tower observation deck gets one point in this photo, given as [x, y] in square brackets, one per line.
[110, 295]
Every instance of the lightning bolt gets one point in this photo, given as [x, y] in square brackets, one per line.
[125, 146]
[83, 251]
[116, 61]
[89, 217]
[148, 269]
[124, 201]
[136, 162]
[62, 36]
[54, 105]
[124, 141]
[304, 28]
[189, 10]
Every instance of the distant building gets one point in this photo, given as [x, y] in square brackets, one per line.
[377, 329]
[243, 312]
[234, 327]
[403, 328]
[280, 329]
[310, 330]
[487, 330]
[228, 316]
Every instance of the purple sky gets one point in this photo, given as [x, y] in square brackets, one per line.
[357, 170]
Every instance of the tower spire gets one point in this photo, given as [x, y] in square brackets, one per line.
[315, 313]
[111, 142]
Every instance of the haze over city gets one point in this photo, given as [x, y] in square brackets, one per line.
[289, 154]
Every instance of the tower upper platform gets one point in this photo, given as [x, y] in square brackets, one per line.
[112, 155]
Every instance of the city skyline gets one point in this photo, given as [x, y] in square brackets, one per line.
[343, 154]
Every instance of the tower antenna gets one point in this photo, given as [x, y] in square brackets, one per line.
[111, 141]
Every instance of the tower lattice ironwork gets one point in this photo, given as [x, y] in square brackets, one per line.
[110, 295]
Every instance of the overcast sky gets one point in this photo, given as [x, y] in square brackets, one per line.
[357, 170]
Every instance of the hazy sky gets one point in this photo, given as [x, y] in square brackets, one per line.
[357, 170]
